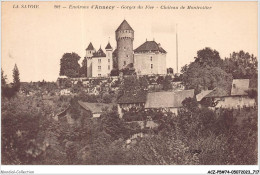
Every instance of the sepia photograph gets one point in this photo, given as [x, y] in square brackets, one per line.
[129, 83]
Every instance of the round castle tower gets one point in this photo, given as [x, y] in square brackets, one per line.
[124, 39]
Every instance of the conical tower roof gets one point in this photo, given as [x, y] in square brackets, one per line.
[90, 47]
[124, 26]
[108, 47]
[99, 53]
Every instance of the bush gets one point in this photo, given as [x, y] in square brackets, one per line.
[85, 97]
[8, 92]
[114, 72]
[107, 98]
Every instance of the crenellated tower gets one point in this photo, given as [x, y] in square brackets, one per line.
[124, 39]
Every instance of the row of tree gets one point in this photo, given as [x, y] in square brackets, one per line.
[9, 90]
[208, 70]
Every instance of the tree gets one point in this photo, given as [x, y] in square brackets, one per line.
[160, 80]
[177, 77]
[67, 83]
[114, 72]
[252, 93]
[161, 149]
[167, 83]
[8, 92]
[130, 83]
[106, 98]
[3, 78]
[206, 72]
[69, 65]
[74, 108]
[25, 88]
[77, 87]
[204, 78]
[208, 57]
[22, 120]
[16, 79]
[112, 125]
[190, 103]
[143, 82]
[241, 65]
[170, 70]
[84, 67]
[128, 71]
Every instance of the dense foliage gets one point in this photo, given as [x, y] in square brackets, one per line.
[30, 135]
[10, 90]
[208, 70]
[83, 68]
[241, 65]
[3, 78]
[206, 77]
[16, 79]
[69, 65]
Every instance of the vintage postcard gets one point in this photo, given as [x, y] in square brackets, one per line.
[129, 83]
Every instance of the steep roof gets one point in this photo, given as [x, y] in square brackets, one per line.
[133, 97]
[108, 47]
[90, 47]
[240, 86]
[124, 26]
[219, 92]
[94, 107]
[167, 99]
[149, 46]
[201, 95]
[99, 53]
[63, 113]
[237, 88]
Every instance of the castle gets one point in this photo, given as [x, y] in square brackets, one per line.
[148, 58]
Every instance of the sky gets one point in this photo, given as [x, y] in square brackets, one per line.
[36, 39]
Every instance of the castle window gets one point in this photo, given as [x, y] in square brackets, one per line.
[127, 56]
[124, 63]
[99, 60]
[234, 85]
[99, 67]
[99, 75]
[151, 58]
[108, 67]
[109, 60]
[151, 66]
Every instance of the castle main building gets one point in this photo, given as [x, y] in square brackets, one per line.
[149, 58]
